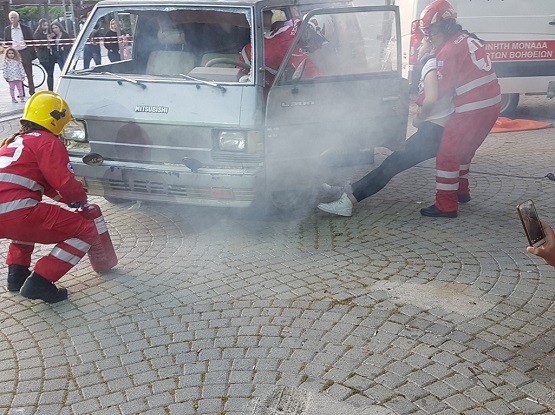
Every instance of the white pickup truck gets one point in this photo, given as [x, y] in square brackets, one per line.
[175, 116]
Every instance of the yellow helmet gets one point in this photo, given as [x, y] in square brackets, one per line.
[49, 110]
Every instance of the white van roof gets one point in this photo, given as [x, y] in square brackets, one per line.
[247, 3]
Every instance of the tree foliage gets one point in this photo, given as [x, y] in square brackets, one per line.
[30, 15]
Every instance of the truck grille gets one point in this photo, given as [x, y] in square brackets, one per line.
[146, 189]
[235, 158]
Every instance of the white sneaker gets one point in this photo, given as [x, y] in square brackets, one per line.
[342, 207]
[327, 192]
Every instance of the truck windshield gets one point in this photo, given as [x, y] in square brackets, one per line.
[164, 42]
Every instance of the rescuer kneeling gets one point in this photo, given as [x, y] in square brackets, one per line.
[34, 162]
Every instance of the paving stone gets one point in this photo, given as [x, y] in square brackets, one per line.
[209, 309]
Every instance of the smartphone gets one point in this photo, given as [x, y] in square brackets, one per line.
[531, 223]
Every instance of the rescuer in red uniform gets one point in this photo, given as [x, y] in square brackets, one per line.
[431, 116]
[277, 40]
[465, 73]
[34, 162]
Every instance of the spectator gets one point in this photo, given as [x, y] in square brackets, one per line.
[547, 250]
[45, 52]
[14, 73]
[92, 47]
[111, 42]
[21, 39]
[62, 44]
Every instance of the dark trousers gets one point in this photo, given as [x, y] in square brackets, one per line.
[49, 69]
[91, 52]
[60, 60]
[420, 146]
[27, 61]
[113, 55]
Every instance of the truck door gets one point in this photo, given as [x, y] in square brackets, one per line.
[339, 91]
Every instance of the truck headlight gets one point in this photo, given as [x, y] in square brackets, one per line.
[232, 140]
[75, 131]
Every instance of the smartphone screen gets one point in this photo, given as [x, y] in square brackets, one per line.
[531, 223]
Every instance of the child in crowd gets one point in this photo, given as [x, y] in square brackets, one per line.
[14, 73]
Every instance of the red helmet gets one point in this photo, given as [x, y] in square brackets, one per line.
[436, 11]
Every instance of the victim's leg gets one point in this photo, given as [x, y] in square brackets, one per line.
[421, 146]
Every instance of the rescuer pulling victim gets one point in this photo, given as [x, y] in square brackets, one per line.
[34, 162]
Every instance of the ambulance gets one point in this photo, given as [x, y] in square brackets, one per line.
[519, 36]
[178, 117]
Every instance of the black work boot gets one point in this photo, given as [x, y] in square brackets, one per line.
[17, 274]
[434, 212]
[464, 198]
[39, 288]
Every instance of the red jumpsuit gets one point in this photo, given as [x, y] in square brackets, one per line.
[36, 164]
[276, 44]
[465, 73]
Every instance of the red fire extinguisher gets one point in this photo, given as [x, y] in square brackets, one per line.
[102, 254]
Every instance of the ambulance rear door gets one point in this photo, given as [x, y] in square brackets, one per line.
[344, 95]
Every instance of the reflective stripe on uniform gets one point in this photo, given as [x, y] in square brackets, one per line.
[478, 104]
[22, 181]
[78, 244]
[22, 243]
[65, 256]
[245, 57]
[475, 84]
[447, 186]
[447, 174]
[16, 205]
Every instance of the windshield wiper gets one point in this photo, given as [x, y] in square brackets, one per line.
[202, 81]
[123, 78]
[80, 71]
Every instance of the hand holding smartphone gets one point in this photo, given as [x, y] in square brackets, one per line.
[531, 223]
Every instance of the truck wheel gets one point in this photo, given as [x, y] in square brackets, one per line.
[294, 202]
[283, 204]
[509, 102]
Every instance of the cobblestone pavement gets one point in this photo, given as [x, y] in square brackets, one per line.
[210, 311]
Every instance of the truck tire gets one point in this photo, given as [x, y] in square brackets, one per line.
[509, 103]
[293, 203]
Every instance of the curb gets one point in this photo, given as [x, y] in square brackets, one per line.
[9, 115]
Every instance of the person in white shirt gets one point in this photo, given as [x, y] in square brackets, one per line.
[21, 38]
[433, 112]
